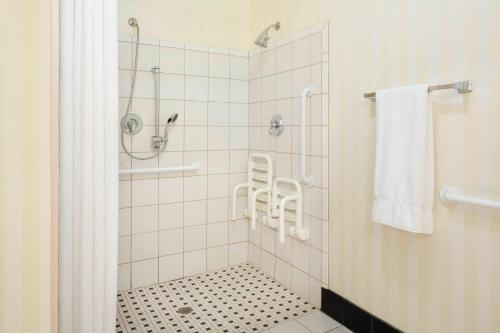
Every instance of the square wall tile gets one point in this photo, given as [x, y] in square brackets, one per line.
[171, 60]
[239, 114]
[195, 138]
[283, 272]
[300, 283]
[239, 91]
[218, 90]
[218, 186]
[195, 113]
[196, 63]
[217, 234]
[217, 210]
[144, 246]
[123, 277]
[267, 263]
[238, 231]
[144, 273]
[238, 161]
[254, 67]
[124, 191]
[195, 188]
[124, 249]
[195, 262]
[218, 138]
[144, 219]
[218, 114]
[218, 162]
[217, 257]
[218, 65]
[253, 91]
[239, 137]
[268, 62]
[171, 216]
[171, 267]
[195, 213]
[301, 52]
[170, 190]
[171, 86]
[144, 192]
[239, 68]
[196, 88]
[124, 222]
[195, 238]
[238, 253]
[171, 241]
[283, 58]
[149, 57]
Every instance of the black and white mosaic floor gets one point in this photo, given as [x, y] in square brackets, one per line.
[234, 299]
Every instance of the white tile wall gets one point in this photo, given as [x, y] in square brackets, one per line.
[277, 77]
[176, 224]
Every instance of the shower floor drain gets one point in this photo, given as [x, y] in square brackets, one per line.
[185, 310]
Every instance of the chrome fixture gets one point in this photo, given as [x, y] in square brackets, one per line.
[133, 22]
[263, 38]
[276, 125]
[131, 123]
[462, 87]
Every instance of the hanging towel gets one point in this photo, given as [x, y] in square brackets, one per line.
[404, 162]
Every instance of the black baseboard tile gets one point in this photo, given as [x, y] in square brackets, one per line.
[352, 316]
[332, 304]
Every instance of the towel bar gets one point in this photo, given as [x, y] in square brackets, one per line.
[462, 87]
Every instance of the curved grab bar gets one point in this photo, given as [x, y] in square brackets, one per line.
[306, 179]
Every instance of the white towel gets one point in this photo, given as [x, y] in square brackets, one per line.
[404, 163]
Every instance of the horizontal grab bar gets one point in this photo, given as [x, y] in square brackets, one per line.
[449, 194]
[193, 167]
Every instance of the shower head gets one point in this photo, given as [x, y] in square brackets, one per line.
[172, 118]
[263, 37]
[132, 22]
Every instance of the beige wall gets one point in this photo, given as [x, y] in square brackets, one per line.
[218, 23]
[450, 281]
[28, 65]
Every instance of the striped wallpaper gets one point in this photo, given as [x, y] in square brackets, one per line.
[28, 248]
[450, 281]
[217, 23]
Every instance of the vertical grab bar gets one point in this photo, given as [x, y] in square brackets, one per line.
[306, 179]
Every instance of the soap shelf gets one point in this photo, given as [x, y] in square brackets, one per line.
[278, 201]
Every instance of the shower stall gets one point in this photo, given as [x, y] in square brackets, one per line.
[192, 119]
